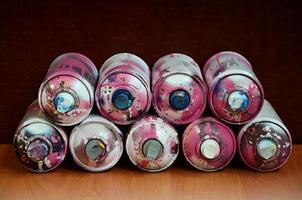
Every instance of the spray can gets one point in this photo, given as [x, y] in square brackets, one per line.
[264, 144]
[208, 144]
[39, 144]
[96, 144]
[152, 144]
[179, 91]
[123, 92]
[235, 94]
[67, 92]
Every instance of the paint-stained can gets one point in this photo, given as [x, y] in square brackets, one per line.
[67, 92]
[208, 144]
[96, 144]
[152, 144]
[39, 144]
[123, 92]
[265, 144]
[235, 94]
[179, 91]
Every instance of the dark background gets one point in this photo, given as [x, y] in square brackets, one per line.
[33, 33]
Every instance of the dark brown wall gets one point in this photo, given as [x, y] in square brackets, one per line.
[33, 33]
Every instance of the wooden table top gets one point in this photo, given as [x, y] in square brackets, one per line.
[126, 182]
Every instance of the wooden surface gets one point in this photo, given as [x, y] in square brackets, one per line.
[126, 182]
[33, 33]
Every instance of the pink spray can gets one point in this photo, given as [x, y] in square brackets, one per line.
[152, 144]
[264, 144]
[123, 92]
[235, 94]
[179, 91]
[67, 92]
[96, 144]
[208, 144]
[39, 144]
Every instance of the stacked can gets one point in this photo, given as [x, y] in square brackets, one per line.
[96, 144]
[67, 92]
[123, 92]
[40, 145]
[265, 143]
[235, 94]
[179, 92]
[123, 96]
[208, 144]
[152, 144]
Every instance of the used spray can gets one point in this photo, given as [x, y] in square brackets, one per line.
[39, 144]
[179, 91]
[96, 144]
[152, 144]
[208, 144]
[67, 92]
[235, 94]
[123, 92]
[264, 144]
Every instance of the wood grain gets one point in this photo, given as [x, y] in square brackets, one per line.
[33, 33]
[126, 182]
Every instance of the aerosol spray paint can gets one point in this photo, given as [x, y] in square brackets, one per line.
[235, 94]
[179, 91]
[67, 92]
[123, 92]
[264, 144]
[208, 144]
[152, 144]
[96, 144]
[39, 144]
